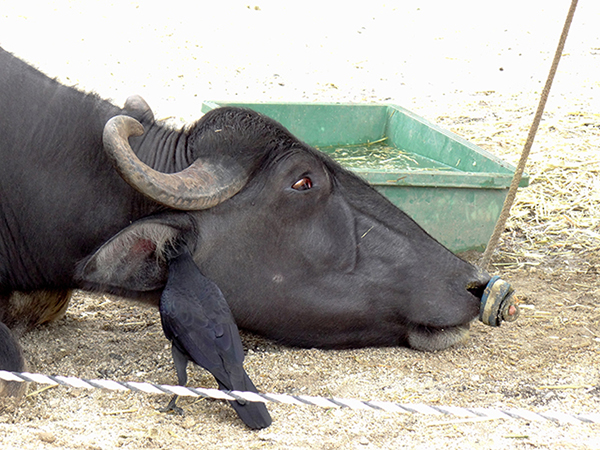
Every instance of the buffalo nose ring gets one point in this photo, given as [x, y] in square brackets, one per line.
[498, 303]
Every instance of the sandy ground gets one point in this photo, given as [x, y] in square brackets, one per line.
[470, 68]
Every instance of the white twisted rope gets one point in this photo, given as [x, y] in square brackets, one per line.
[405, 408]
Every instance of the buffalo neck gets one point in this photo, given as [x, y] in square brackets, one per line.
[163, 148]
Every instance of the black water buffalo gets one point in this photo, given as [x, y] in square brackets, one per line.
[305, 252]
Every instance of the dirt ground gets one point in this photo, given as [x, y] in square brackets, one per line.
[477, 74]
[546, 361]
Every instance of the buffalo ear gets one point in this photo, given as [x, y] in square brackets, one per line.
[136, 107]
[136, 259]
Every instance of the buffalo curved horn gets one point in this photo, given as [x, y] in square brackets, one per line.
[201, 186]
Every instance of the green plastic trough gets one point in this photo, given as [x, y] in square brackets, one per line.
[452, 188]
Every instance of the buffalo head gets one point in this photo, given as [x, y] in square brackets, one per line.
[304, 251]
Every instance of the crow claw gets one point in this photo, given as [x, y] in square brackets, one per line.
[172, 407]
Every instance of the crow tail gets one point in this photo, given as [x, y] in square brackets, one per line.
[254, 414]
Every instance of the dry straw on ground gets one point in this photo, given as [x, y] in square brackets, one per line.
[556, 220]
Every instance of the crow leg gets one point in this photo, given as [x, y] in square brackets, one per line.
[180, 360]
[172, 406]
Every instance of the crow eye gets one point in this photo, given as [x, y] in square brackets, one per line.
[303, 184]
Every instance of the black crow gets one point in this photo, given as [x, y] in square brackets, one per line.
[197, 320]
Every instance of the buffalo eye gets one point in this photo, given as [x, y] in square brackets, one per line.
[303, 184]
